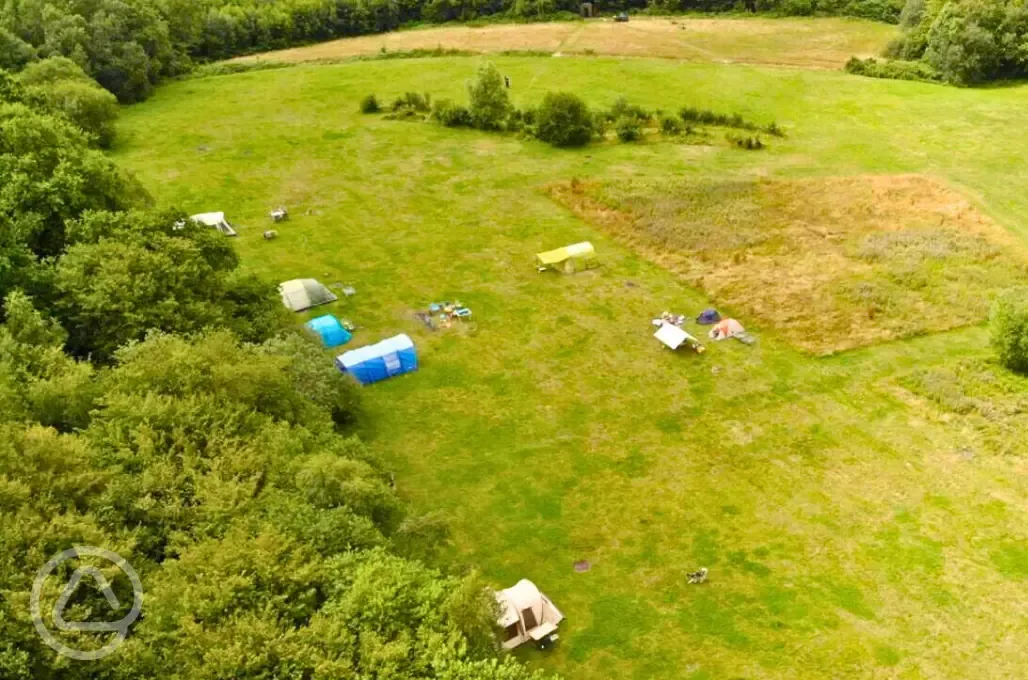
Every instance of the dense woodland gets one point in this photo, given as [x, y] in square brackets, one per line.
[155, 402]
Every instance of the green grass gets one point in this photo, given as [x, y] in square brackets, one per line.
[845, 534]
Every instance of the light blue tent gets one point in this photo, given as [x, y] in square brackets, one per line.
[385, 359]
[329, 330]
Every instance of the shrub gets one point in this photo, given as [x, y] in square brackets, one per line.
[621, 109]
[370, 104]
[490, 104]
[747, 143]
[895, 69]
[412, 102]
[671, 126]
[1009, 325]
[563, 120]
[451, 114]
[628, 128]
[706, 117]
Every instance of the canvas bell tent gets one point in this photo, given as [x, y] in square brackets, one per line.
[216, 220]
[526, 614]
[329, 330]
[570, 259]
[370, 364]
[301, 294]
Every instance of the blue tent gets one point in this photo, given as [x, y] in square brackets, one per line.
[329, 330]
[385, 359]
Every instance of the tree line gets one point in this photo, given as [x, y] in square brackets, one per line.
[128, 46]
[154, 401]
[964, 42]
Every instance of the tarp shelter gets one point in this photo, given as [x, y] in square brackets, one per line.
[370, 364]
[301, 294]
[329, 330]
[570, 259]
[673, 337]
[526, 614]
[216, 220]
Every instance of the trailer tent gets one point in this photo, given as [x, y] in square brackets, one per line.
[216, 220]
[329, 330]
[526, 614]
[370, 364]
[570, 259]
[301, 294]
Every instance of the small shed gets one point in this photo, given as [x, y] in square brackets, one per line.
[329, 330]
[526, 614]
[301, 294]
[570, 259]
[383, 360]
[216, 220]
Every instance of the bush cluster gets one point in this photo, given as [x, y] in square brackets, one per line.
[563, 119]
[894, 69]
[962, 41]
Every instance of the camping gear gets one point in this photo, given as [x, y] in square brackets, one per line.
[301, 294]
[216, 220]
[668, 317]
[570, 259]
[673, 337]
[270, 234]
[349, 291]
[329, 330]
[527, 614]
[279, 214]
[727, 328]
[372, 363]
[708, 317]
[698, 576]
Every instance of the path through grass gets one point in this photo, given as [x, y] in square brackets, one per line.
[846, 533]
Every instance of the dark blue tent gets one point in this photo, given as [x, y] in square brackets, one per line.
[329, 330]
[708, 317]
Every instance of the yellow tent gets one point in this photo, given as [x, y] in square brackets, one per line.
[570, 259]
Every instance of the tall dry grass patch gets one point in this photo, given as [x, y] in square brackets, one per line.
[830, 263]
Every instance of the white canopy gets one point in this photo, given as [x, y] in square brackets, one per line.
[672, 336]
[216, 220]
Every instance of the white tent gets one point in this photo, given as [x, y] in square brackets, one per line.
[216, 220]
[526, 614]
[301, 294]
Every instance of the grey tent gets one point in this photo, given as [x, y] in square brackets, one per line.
[301, 294]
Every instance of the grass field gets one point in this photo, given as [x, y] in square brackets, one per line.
[812, 43]
[854, 524]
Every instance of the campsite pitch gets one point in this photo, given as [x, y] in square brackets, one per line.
[830, 263]
[847, 531]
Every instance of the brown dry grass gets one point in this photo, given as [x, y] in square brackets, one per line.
[831, 263]
[817, 43]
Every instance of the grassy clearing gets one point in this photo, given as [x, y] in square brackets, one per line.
[845, 535]
[811, 43]
[829, 263]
